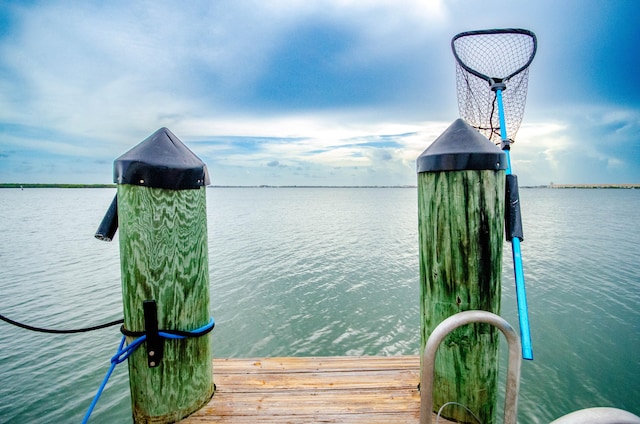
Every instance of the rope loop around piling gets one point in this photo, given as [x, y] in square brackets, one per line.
[125, 351]
[174, 334]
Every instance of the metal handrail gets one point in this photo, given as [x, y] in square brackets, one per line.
[428, 361]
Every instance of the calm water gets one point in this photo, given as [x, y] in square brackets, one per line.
[300, 272]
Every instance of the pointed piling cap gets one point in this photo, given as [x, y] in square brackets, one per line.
[460, 147]
[161, 161]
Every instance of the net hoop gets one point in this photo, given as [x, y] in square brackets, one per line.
[491, 61]
[495, 78]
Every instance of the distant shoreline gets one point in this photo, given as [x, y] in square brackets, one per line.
[306, 186]
[632, 186]
[47, 185]
[552, 186]
[52, 185]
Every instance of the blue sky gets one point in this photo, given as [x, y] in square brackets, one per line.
[332, 92]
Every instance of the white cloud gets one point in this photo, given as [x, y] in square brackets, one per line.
[110, 71]
[389, 155]
[332, 126]
[102, 76]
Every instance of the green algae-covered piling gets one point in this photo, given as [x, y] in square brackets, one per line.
[163, 253]
[461, 231]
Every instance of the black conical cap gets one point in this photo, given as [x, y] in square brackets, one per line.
[161, 161]
[461, 147]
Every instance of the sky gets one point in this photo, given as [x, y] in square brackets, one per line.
[327, 92]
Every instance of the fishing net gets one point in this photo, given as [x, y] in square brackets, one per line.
[487, 61]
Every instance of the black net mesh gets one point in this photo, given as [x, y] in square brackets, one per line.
[487, 57]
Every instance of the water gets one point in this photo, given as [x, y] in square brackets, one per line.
[297, 272]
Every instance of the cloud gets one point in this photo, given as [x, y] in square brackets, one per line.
[156, 62]
[351, 156]
[585, 144]
[110, 74]
[314, 90]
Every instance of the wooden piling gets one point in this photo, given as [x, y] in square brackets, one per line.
[163, 253]
[461, 225]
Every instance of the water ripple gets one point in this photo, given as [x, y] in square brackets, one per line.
[318, 272]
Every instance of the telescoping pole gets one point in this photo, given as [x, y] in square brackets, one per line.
[514, 233]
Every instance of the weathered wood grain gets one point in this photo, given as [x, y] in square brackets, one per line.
[163, 253]
[314, 390]
[461, 227]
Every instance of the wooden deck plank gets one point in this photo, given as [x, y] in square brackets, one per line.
[308, 364]
[328, 380]
[314, 390]
[307, 419]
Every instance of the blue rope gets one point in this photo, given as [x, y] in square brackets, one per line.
[202, 329]
[124, 352]
[106, 378]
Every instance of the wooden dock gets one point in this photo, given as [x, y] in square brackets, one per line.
[346, 389]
